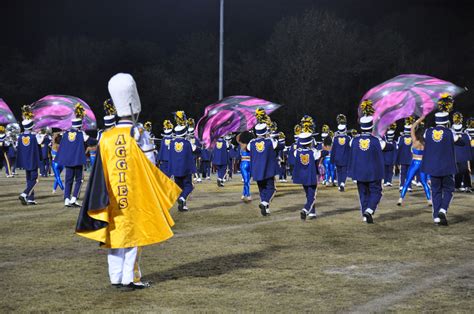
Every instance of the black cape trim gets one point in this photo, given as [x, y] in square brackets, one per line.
[96, 197]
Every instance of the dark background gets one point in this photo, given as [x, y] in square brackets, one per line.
[313, 57]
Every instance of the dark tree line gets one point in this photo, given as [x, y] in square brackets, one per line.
[315, 64]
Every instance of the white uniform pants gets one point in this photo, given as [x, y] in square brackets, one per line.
[124, 265]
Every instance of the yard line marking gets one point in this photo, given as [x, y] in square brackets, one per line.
[382, 303]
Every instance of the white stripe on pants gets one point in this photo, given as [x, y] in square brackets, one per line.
[122, 265]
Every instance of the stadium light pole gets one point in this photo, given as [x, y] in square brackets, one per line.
[221, 52]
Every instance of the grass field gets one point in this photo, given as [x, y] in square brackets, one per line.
[225, 257]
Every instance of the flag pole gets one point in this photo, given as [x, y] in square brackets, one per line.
[221, 52]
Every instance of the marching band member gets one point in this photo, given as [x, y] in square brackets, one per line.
[57, 168]
[164, 152]
[182, 165]
[263, 161]
[404, 155]
[28, 156]
[245, 164]
[220, 159]
[326, 145]
[306, 171]
[72, 156]
[366, 164]
[417, 148]
[128, 199]
[439, 160]
[462, 179]
[389, 157]
[109, 118]
[340, 151]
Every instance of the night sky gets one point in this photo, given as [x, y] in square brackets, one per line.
[26, 26]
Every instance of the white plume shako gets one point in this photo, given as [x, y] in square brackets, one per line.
[123, 90]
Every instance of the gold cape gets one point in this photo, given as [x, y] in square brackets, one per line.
[128, 199]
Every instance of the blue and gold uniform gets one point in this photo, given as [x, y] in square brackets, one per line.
[306, 173]
[28, 158]
[220, 157]
[205, 163]
[340, 151]
[404, 153]
[439, 160]
[462, 179]
[45, 156]
[165, 146]
[264, 166]
[72, 156]
[181, 164]
[367, 164]
[340, 154]
[389, 157]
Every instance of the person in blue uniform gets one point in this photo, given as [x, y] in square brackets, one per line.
[205, 163]
[4, 147]
[12, 152]
[293, 147]
[231, 157]
[282, 154]
[340, 151]
[470, 132]
[72, 156]
[306, 172]
[404, 152]
[439, 160]
[389, 157]
[245, 164]
[220, 159]
[28, 157]
[263, 161]
[57, 169]
[462, 179]
[164, 152]
[417, 148]
[197, 149]
[329, 169]
[181, 162]
[45, 154]
[367, 164]
[109, 119]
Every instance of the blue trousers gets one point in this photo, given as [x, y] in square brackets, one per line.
[73, 175]
[267, 189]
[31, 180]
[412, 171]
[442, 189]
[282, 171]
[221, 169]
[341, 174]
[57, 169]
[403, 175]
[164, 167]
[310, 191]
[387, 173]
[370, 194]
[44, 170]
[205, 168]
[328, 169]
[186, 185]
[245, 170]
